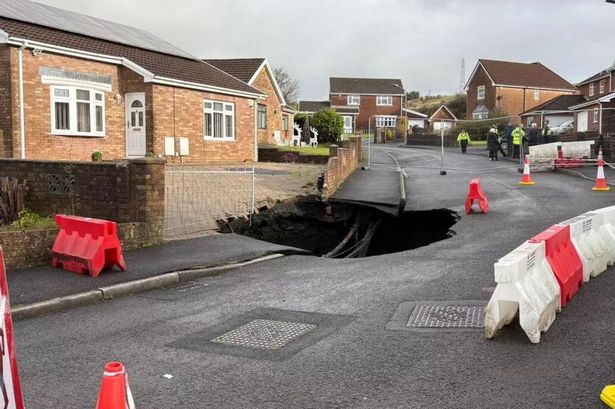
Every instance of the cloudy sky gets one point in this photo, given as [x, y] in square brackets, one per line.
[420, 41]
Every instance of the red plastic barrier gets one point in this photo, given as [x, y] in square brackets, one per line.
[562, 162]
[86, 246]
[563, 259]
[476, 193]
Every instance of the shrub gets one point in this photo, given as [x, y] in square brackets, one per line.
[11, 199]
[329, 124]
[31, 220]
[97, 156]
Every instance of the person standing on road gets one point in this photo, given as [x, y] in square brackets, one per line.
[493, 143]
[517, 137]
[547, 132]
[464, 139]
[508, 137]
[533, 135]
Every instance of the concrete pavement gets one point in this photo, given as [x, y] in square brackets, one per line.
[360, 364]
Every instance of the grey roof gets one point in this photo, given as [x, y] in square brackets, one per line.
[313, 106]
[480, 109]
[560, 103]
[53, 17]
[381, 86]
[601, 74]
[242, 68]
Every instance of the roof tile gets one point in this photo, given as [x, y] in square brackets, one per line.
[517, 74]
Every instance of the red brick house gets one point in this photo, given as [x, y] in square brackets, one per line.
[497, 88]
[556, 111]
[273, 115]
[443, 118]
[72, 84]
[376, 101]
[597, 112]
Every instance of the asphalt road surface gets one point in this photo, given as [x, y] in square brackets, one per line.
[344, 355]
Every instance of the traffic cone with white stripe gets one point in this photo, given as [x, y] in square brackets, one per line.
[114, 389]
[601, 184]
[526, 179]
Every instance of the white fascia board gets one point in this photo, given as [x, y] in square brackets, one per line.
[4, 37]
[539, 88]
[415, 112]
[474, 71]
[278, 91]
[202, 87]
[65, 51]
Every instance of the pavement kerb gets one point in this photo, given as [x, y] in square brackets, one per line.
[20, 312]
[402, 184]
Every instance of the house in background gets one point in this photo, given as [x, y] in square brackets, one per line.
[369, 102]
[72, 84]
[555, 111]
[416, 118]
[273, 115]
[597, 112]
[511, 88]
[443, 118]
[348, 114]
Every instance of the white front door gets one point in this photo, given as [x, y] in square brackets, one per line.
[135, 124]
[582, 121]
[347, 124]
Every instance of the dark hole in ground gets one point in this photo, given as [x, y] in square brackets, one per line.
[344, 230]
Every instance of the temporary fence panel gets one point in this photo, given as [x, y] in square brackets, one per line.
[525, 283]
[608, 223]
[544, 151]
[577, 150]
[196, 196]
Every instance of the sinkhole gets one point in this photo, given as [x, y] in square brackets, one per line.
[342, 230]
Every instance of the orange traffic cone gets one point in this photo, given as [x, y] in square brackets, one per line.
[601, 184]
[526, 179]
[114, 389]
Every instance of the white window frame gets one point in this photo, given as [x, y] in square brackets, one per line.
[285, 121]
[224, 113]
[386, 121]
[347, 118]
[384, 100]
[260, 114]
[72, 101]
[592, 89]
[480, 92]
[596, 115]
[602, 85]
[353, 100]
[536, 94]
[480, 115]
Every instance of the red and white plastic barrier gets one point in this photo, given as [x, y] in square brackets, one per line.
[566, 254]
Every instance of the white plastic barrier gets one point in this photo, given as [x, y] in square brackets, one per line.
[608, 222]
[526, 284]
[593, 243]
[577, 150]
[544, 151]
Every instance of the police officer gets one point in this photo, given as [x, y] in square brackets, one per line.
[517, 138]
[547, 132]
[463, 138]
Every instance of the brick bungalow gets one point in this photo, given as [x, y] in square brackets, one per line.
[597, 112]
[443, 118]
[497, 88]
[72, 84]
[273, 114]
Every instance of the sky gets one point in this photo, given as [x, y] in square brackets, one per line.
[420, 41]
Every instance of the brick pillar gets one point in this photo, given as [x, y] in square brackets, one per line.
[333, 151]
[146, 190]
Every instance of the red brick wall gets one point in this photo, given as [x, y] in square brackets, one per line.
[343, 160]
[179, 112]
[6, 143]
[514, 101]
[264, 83]
[368, 108]
[607, 88]
[480, 78]
[40, 143]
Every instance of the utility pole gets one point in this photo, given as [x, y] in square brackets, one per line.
[462, 75]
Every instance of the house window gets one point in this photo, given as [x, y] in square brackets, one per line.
[285, 122]
[347, 124]
[480, 92]
[219, 120]
[261, 116]
[602, 83]
[480, 115]
[385, 121]
[354, 100]
[596, 114]
[384, 100]
[536, 94]
[77, 111]
[591, 89]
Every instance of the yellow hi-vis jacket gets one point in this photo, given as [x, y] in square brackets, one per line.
[463, 136]
[517, 135]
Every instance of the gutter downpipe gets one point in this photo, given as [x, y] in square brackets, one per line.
[22, 123]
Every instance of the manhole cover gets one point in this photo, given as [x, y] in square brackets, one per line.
[264, 334]
[447, 316]
[438, 316]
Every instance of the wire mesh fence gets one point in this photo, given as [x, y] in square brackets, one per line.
[196, 196]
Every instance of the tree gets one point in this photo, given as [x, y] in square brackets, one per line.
[288, 85]
[329, 125]
[412, 95]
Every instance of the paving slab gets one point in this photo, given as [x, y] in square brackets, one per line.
[41, 283]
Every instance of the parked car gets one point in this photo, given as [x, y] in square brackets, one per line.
[563, 128]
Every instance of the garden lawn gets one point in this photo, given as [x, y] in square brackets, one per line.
[320, 150]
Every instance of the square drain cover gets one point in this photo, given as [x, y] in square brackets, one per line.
[265, 334]
[438, 316]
